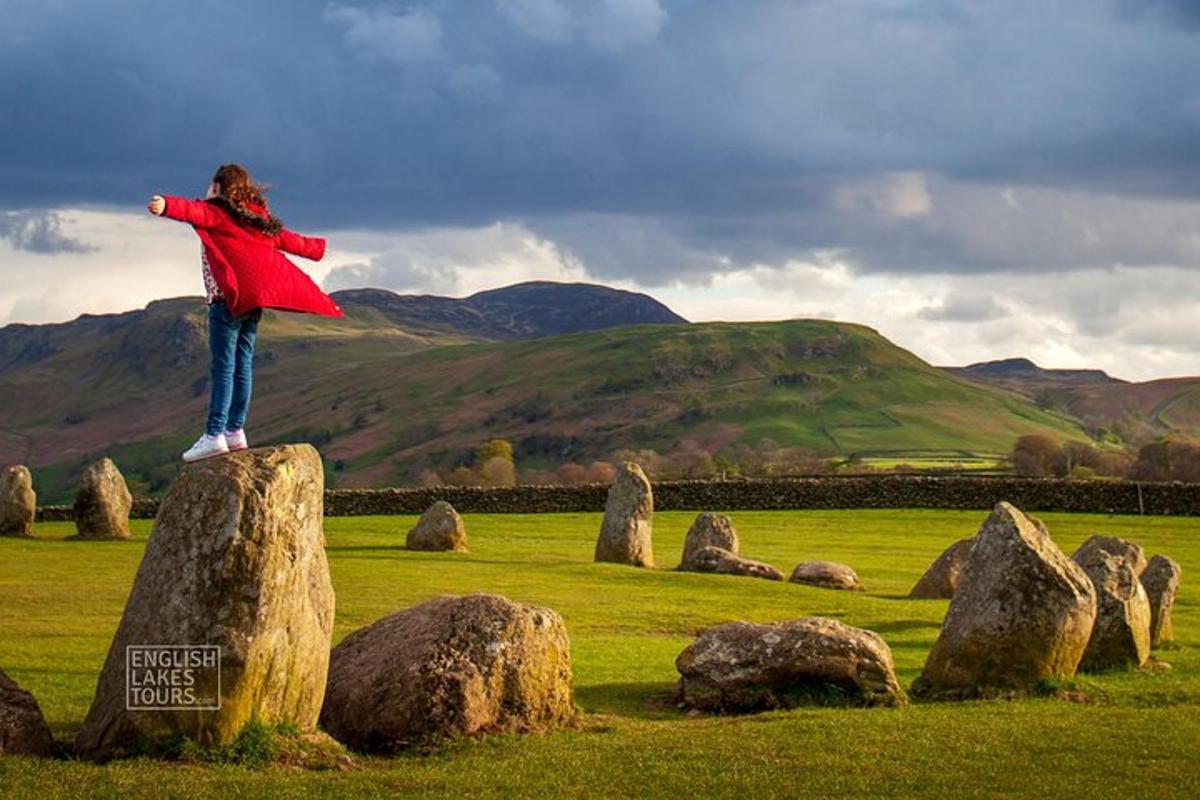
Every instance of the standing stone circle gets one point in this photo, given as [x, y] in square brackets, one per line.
[940, 580]
[1121, 635]
[741, 667]
[1113, 545]
[1161, 581]
[625, 533]
[18, 502]
[236, 560]
[102, 503]
[826, 575]
[439, 528]
[1022, 613]
[23, 729]
[453, 666]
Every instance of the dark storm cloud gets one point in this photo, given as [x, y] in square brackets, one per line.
[38, 233]
[656, 139]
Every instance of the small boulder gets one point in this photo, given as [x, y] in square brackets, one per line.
[940, 580]
[1121, 635]
[439, 528]
[102, 503]
[1022, 613]
[235, 565]
[18, 503]
[826, 575]
[628, 519]
[714, 559]
[708, 530]
[454, 666]
[742, 667]
[23, 730]
[1113, 545]
[1161, 581]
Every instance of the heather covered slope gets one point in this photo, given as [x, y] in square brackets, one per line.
[383, 402]
[1132, 412]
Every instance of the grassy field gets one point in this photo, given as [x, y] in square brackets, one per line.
[1138, 737]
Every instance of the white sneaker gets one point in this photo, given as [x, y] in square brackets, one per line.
[236, 440]
[207, 446]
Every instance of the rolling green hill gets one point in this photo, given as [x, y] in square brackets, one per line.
[383, 402]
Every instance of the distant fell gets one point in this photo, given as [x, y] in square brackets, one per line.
[521, 311]
[1022, 369]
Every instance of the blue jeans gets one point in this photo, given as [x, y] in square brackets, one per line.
[231, 343]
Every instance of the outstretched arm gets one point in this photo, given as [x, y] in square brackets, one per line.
[196, 212]
[310, 247]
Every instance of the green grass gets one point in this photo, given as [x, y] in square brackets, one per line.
[62, 603]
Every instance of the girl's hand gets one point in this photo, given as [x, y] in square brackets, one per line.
[157, 205]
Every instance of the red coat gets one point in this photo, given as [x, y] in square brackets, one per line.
[247, 264]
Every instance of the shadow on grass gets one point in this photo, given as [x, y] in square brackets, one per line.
[901, 625]
[643, 700]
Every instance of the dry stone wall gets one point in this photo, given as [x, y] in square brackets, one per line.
[1105, 497]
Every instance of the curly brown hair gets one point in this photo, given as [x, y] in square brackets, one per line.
[236, 189]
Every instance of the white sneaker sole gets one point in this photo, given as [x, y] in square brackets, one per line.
[206, 455]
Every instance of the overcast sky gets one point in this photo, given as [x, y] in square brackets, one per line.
[975, 180]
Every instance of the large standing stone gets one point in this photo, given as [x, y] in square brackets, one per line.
[1022, 613]
[18, 503]
[940, 580]
[628, 516]
[708, 530]
[714, 559]
[23, 730]
[1161, 581]
[1113, 545]
[450, 667]
[236, 559]
[1121, 635]
[826, 575]
[739, 666]
[102, 503]
[439, 528]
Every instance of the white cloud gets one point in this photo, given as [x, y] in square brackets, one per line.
[1136, 323]
[458, 261]
[408, 37]
[612, 25]
[900, 195]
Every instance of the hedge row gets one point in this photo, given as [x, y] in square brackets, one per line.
[1114, 497]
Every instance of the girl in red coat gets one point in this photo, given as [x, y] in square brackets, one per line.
[244, 272]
